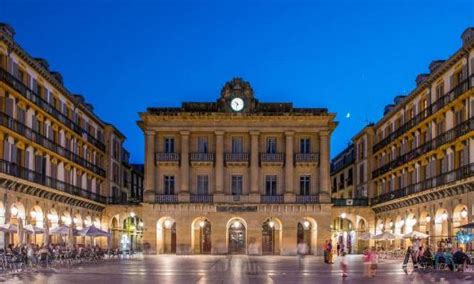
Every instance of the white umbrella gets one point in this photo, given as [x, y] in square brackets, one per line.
[30, 229]
[365, 236]
[93, 231]
[415, 235]
[386, 236]
[61, 230]
[8, 228]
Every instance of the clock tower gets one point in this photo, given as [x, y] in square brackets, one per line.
[237, 96]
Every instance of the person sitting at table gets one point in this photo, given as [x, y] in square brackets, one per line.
[448, 256]
[461, 259]
[426, 259]
[439, 258]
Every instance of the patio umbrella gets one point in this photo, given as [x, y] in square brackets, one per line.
[8, 228]
[30, 229]
[61, 230]
[415, 235]
[93, 231]
[467, 226]
[386, 236]
[365, 236]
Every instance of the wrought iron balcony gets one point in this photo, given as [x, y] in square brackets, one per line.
[236, 157]
[272, 199]
[201, 198]
[201, 157]
[442, 139]
[42, 140]
[15, 170]
[167, 157]
[305, 199]
[166, 198]
[306, 158]
[350, 201]
[272, 158]
[427, 184]
[26, 92]
[453, 94]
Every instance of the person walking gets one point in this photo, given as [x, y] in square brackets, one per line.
[343, 264]
[373, 262]
[325, 251]
[330, 253]
[366, 259]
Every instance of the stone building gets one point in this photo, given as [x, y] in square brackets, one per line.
[416, 164]
[236, 175]
[58, 159]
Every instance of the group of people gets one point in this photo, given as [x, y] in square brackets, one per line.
[445, 256]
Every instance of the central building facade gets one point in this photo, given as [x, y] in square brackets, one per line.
[236, 176]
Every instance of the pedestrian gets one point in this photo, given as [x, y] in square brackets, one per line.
[325, 251]
[366, 259]
[330, 253]
[338, 247]
[343, 264]
[373, 262]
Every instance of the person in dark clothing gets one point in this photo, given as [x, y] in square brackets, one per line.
[460, 258]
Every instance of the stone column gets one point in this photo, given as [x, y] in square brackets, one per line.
[324, 178]
[184, 189]
[254, 188]
[149, 181]
[219, 162]
[289, 165]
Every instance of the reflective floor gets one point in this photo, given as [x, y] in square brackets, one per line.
[232, 269]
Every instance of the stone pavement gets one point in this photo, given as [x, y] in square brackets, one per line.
[232, 269]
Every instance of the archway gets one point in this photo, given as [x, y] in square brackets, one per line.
[201, 232]
[52, 221]
[379, 228]
[307, 235]
[115, 231]
[271, 236]
[37, 220]
[166, 235]
[460, 217]
[133, 233]
[441, 231]
[362, 229]
[17, 218]
[343, 234]
[236, 236]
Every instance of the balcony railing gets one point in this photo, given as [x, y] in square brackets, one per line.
[350, 201]
[272, 199]
[15, 170]
[236, 157]
[167, 157]
[307, 157]
[201, 198]
[304, 199]
[26, 92]
[272, 157]
[38, 138]
[454, 93]
[340, 164]
[166, 198]
[444, 138]
[430, 183]
[201, 157]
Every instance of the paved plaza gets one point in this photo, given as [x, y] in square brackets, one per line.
[231, 269]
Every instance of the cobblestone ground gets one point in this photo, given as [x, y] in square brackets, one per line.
[232, 269]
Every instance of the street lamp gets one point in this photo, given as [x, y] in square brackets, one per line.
[464, 213]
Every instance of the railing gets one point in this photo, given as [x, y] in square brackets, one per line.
[271, 199]
[350, 201]
[444, 138]
[272, 157]
[306, 157]
[120, 200]
[201, 157]
[167, 157]
[166, 198]
[434, 107]
[236, 157]
[26, 92]
[38, 138]
[442, 179]
[15, 170]
[340, 164]
[304, 199]
[201, 198]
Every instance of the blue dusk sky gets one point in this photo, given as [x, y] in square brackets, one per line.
[349, 56]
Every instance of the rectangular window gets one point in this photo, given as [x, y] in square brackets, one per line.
[237, 145]
[271, 145]
[202, 145]
[202, 184]
[237, 185]
[169, 185]
[305, 185]
[169, 145]
[349, 177]
[361, 174]
[271, 185]
[439, 91]
[305, 147]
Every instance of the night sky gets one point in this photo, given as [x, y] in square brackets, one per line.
[352, 58]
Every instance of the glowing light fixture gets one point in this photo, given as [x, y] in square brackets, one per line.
[236, 224]
[428, 218]
[464, 213]
[132, 214]
[343, 215]
[306, 224]
[271, 224]
[444, 216]
[33, 214]
[202, 224]
[14, 211]
[168, 224]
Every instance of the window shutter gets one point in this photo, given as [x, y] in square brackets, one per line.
[14, 153]
[451, 82]
[6, 151]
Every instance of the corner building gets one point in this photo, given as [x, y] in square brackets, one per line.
[236, 176]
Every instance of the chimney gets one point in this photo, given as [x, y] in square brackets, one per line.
[435, 64]
[43, 62]
[467, 35]
[7, 29]
[421, 78]
[57, 76]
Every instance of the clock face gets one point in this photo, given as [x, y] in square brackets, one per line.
[237, 104]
